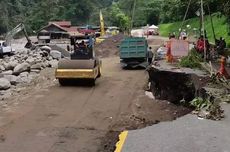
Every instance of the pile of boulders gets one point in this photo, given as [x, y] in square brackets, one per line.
[24, 66]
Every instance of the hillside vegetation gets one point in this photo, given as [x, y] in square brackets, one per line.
[220, 26]
[37, 13]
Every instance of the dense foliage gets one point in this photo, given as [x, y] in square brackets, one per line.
[37, 13]
[192, 60]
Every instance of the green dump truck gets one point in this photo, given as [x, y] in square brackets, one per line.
[134, 52]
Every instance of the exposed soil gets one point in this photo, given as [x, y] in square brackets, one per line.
[109, 47]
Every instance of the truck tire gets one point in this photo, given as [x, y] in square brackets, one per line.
[1, 52]
[92, 82]
[99, 72]
[62, 82]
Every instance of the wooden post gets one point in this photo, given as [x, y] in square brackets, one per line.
[203, 27]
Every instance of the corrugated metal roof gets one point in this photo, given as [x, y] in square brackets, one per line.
[61, 23]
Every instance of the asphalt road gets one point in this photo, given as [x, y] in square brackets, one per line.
[187, 134]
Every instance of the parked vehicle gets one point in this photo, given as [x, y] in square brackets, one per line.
[134, 52]
[5, 49]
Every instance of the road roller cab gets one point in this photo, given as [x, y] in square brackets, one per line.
[82, 65]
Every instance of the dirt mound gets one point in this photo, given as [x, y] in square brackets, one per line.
[156, 41]
[108, 47]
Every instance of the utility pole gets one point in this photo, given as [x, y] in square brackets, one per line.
[132, 18]
[203, 28]
[213, 30]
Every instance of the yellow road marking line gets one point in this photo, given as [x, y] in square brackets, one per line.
[120, 143]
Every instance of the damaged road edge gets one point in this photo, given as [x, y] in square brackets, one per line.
[122, 139]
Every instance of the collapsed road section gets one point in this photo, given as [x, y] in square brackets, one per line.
[175, 84]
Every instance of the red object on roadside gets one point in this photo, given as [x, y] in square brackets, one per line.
[169, 57]
[222, 70]
[200, 45]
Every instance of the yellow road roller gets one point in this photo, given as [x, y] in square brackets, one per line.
[82, 65]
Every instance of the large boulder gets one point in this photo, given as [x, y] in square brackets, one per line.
[13, 64]
[4, 84]
[10, 65]
[53, 63]
[11, 78]
[23, 78]
[21, 68]
[36, 66]
[2, 68]
[7, 66]
[8, 72]
[55, 54]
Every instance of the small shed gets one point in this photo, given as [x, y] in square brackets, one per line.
[154, 27]
[58, 30]
[54, 31]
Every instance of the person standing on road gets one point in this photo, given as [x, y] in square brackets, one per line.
[150, 55]
[221, 46]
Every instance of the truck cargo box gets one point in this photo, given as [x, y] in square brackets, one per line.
[133, 47]
[134, 52]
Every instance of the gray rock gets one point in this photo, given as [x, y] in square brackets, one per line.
[23, 78]
[11, 78]
[46, 48]
[21, 68]
[44, 54]
[7, 66]
[36, 66]
[23, 58]
[12, 58]
[32, 76]
[2, 68]
[4, 84]
[55, 54]
[13, 64]
[45, 64]
[24, 74]
[31, 60]
[8, 72]
[4, 94]
[53, 63]
[35, 71]
[24, 52]
[10, 65]
[50, 58]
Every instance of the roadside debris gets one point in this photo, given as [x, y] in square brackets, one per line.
[207, 109]
[24, 66]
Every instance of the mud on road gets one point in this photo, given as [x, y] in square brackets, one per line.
[78, 118]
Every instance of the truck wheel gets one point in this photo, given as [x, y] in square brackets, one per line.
[99, 72]
[62, 82]
[1, 53]
[92, 82]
